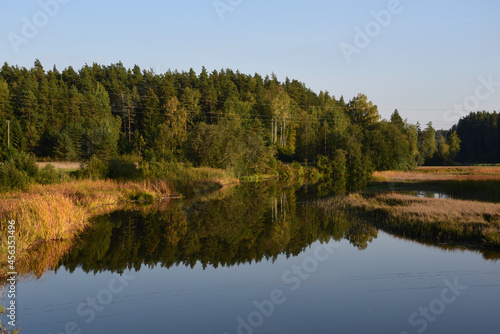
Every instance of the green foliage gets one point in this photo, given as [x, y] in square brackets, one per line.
[297, 169]
[479, 133]
[18, 171]
[454, 145]
[339, 164]
[184, 178]
[123, 169]
[5, 108]
[4, 330]
[362, 111]
[396, 120]
[47, 143]
[427, 143]
[335, 174]
[25, 163]
[102, 137]
[66, 147]
[228, 145]
[389, 146]
[12, 178]
[222, 119]
[8, 154]
[17, 136]
[143, 197]
[325, 166]
[95, 169]
[48, 175]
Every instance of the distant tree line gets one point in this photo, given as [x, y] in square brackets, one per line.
[222, 119]
[480, 135]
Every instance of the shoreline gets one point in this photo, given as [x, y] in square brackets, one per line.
[58, 213]
[434, 220]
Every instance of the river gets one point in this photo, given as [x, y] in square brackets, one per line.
[257, 258]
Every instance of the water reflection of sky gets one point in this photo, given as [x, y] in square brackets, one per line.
[349, 291]
[428, 194]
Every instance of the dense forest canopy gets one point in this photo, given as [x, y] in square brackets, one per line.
[222, 119]
[480, 135]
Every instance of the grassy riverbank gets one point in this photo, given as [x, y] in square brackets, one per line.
[423, 174]
[469, 183]
[429, 219]
[471, 218]
[49, 217]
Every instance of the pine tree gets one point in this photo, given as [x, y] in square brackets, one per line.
[397, 120]
[150, 116]
[5, 109]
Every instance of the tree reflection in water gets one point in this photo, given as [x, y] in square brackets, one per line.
[251, 222]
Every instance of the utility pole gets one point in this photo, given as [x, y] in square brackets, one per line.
[8, 134]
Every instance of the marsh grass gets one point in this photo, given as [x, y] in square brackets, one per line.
[421, 174]
[187, 180]
[430, 219]
[470, 183]
[56, 214]
[46, 217]
[61, 165]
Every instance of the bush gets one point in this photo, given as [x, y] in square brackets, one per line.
[25, 163]
[123, 168]
[313, 174]
[48, 175]
[228, 145]
[119, 168]
[18, 171]
[12, 178]
[283, 170]
[297, 169]
[94, 169]
[8, 154]
[143, 197]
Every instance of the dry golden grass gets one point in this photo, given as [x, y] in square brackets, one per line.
[433, 209]
[427, 217]
[48, 217]
[475, 173]
[60, 212]
[61, 165]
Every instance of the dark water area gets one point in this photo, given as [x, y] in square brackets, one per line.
[257, 258]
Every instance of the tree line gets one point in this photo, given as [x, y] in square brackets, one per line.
[223, 119]
[480, 135]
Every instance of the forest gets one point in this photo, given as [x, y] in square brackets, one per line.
[247, 124]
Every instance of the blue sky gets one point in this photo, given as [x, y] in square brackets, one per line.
[432, 60]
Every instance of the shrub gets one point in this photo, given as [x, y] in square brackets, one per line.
[119, 168]
[94, 169]
[143, 197]
[48, 175]
[297, 169]
[25, 163]
[283, 170]
[12, 178]
[18, 172]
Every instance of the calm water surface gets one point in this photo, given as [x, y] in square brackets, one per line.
[257, 259]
